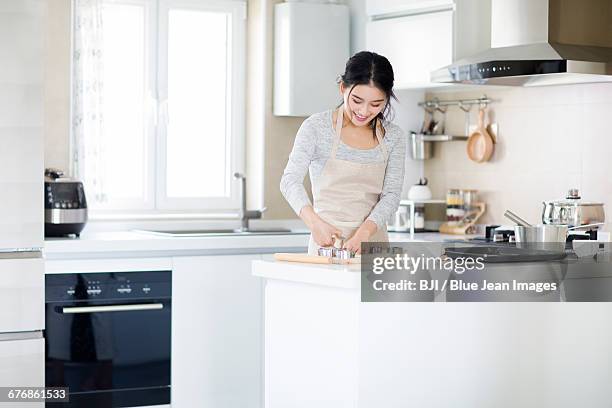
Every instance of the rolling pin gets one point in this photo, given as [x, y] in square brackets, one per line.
[314, 259]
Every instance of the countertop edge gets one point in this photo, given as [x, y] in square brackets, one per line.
[337, 276]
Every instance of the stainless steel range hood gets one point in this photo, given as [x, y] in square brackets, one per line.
[541, 42]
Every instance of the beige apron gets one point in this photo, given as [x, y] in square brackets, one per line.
[348, 191]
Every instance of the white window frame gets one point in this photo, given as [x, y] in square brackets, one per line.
[156, 203]
[235, 103]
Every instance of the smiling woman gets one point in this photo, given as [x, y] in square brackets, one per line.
[355, 157]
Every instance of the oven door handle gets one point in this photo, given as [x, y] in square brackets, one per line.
[112, 308]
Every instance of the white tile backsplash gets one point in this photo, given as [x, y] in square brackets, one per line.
[550, 139]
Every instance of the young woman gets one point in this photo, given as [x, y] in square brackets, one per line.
[355, 158]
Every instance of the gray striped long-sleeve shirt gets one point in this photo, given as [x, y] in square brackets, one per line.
[311, 149]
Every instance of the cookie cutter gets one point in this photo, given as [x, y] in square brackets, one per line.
[336, 251]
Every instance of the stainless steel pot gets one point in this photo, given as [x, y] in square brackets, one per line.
[419, 148]
[541, 233]
[541, 237]
[572, 211]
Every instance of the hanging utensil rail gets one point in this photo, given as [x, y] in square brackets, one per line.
[435, 103]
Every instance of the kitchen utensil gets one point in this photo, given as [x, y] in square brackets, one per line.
[420, 149]
[439, 126]
[314, 259]
[426, 121]
[573, 211]
[515, 218]
[541, 233]
[336, 250]
[480, 143]
[541, 237]
[597, 224]
[433, 125]
[420, 191]
[502, 254]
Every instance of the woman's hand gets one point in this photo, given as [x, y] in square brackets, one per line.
[322, 232]
[363, 233]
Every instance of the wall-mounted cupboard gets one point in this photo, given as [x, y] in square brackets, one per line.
[419, 36]
[311, 46]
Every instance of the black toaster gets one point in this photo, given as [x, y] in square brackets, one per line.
[65, 205]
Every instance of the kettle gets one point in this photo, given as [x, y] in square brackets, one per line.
[420, 191]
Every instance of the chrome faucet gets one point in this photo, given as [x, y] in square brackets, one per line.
[246, 215]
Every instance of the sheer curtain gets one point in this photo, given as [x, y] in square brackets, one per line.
[87, 117]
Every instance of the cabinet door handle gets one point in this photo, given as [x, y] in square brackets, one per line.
[112, 308]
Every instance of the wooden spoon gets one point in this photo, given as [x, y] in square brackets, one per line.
[480, 142]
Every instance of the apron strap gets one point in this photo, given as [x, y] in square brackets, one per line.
[339, 117]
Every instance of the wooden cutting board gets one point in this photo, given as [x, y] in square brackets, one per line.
[314, 259]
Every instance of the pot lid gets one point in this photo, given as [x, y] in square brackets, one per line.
[572, 198]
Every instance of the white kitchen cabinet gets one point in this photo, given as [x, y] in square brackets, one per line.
[414, 44]
[385, 7]
[22, 295]
[21, 123]
[419, 37]
[217, 338]
[311, 46]
[22, 364]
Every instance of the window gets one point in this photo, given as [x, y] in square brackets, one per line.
[159, 123]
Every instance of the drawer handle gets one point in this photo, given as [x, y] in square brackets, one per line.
[112, 308]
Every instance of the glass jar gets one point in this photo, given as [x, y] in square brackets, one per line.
[469, 199]
[419, 217]
[455, 210]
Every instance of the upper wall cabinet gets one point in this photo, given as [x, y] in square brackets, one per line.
[311, 46]
[420, 36]
[386, 7]
[415, 45]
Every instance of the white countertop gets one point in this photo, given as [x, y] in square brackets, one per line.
[338, 276]
[137, 244]
[134, 244]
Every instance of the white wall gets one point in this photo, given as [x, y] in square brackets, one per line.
[359, 19]
[409, 116]
[57, 85]
[550, 139]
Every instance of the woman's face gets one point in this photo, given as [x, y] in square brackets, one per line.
[363, 103]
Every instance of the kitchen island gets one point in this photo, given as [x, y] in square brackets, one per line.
[326, 348]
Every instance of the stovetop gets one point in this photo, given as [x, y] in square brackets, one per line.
[496, 233]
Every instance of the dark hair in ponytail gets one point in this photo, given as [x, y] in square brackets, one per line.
[365, 68]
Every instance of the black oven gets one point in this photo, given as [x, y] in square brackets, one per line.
[108, 338]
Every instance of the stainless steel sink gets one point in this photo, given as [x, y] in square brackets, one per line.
[226, 231]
